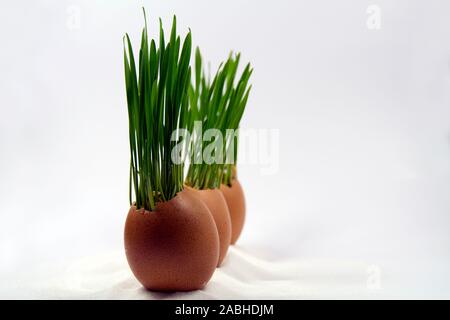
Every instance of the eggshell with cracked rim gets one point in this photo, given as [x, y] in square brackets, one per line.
[235, 199]
[217, 205]
[173, 248]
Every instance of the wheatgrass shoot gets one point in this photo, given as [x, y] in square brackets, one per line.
[157, 98]
[217, 104]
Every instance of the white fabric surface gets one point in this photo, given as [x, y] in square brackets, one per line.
[242, 276]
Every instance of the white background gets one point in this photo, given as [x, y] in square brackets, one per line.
[363, 117]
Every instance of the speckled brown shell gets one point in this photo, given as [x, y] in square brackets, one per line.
[235, 199]
[173, 248]
[215, 201]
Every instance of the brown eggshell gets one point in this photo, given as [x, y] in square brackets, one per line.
[235, 199]
[215, 201]
[173, 248]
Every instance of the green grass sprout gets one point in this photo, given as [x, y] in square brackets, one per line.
[217, 104]
[157, 98]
